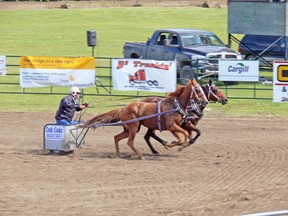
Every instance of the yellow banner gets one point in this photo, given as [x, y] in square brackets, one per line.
[43, 62]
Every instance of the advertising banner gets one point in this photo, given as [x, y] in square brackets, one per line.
[2, 65]
[40, 71]
[233, 70]
[280, 81]
[144, 75]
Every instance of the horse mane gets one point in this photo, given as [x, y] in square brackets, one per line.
[179, 90]
[108, 117]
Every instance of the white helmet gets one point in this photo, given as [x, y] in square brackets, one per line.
[75, 90]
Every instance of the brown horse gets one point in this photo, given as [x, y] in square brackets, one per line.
[195, 113]
[156, 116]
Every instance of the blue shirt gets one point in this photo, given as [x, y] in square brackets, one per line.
[67, 108]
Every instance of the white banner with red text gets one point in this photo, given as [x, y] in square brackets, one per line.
[144, 75]
[41, 71]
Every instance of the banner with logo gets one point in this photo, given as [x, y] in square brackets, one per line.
[2, 65]
[144, 75]
[40, 71]
[233, 70]
[280, 81]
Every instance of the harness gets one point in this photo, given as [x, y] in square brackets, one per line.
[177, 106]
[194, 107]
[180, 108]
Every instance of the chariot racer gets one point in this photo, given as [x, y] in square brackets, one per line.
[68, 105]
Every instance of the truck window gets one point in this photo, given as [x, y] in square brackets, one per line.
[161, 38]
[174, 40]
[189, 40]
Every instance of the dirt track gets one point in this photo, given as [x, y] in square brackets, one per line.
[238, 166]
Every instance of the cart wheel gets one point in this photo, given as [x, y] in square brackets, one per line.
[55, 151]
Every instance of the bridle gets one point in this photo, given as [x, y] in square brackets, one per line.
[196, 89]
[211, 92]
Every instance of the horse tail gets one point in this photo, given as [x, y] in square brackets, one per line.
[108, 117]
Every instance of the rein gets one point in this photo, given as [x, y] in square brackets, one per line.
[132, 120]
[79, 115]
[159, 115]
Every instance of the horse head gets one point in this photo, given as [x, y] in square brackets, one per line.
[214, 94]
[197, 93]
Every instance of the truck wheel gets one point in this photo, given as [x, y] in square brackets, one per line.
[186, 72]
[250, 57]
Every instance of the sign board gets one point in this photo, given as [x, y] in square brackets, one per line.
[258, 17]
[54, 132]
[247, 71]
[40, 71]
[2, 65]
[144, 75]
[63, 137]
[280, 81]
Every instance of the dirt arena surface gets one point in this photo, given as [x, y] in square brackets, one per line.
[238, 166]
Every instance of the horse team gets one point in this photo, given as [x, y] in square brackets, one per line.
[178, 113]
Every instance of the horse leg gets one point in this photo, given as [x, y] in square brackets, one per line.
[175, 143]
[187, 128]
[191, 128]
[132, 128]
[119, 137]
[151, 133]
[147, 139]
[177, 131]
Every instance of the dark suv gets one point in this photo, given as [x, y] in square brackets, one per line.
[269, 48]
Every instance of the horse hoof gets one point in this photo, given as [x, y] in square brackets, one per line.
[191, 141]
[165, 144]
[171, 145]
[133, 157]
[156, 153]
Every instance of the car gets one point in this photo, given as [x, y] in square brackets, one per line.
[264, 48]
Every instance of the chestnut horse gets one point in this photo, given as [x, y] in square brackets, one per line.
[195, 113]
[156, 116]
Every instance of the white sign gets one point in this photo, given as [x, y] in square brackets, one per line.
[42, 71]
[280, 81]
[54, 132]
[247, 71]
[144, 75]
[2, 65]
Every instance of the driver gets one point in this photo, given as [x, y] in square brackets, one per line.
[68, 105]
